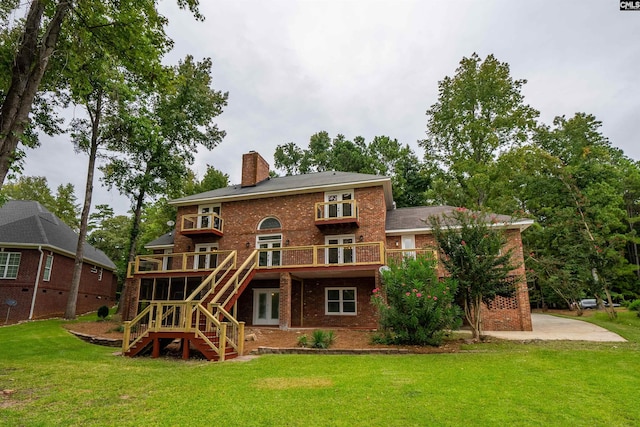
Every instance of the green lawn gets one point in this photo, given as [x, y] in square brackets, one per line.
[53, 378]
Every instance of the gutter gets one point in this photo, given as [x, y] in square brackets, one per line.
[35, 286]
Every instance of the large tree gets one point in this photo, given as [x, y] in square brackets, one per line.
[32, 45]
[154, 139]
[100, 69]
[480, 113]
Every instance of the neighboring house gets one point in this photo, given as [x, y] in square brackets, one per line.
[293, 252]
[37, 256]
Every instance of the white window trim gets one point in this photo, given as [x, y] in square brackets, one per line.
[213, 208]
[4, 268]
[339, 197]
[341, 301]
[341, 237]
[48, 266]
[210, 247]
[269, 239]
[269, 229]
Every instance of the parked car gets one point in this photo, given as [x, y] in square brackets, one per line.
[593, 303]
[588, 303]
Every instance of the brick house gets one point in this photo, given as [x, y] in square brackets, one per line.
[298, 251]
[37, 257]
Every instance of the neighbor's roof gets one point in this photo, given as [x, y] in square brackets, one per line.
[164, 241]
[295, 184]
[29, 224]
[407, 220]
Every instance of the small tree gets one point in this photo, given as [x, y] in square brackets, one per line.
[414, 306]
[474, 254]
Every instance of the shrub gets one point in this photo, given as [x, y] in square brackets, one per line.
[103, 312]
[414, 306]
[322, 339]
[634, 306]
[319, 339]
[303, 341]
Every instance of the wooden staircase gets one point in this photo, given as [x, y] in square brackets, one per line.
[201, 322]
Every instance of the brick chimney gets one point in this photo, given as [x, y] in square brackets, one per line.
[255, 169]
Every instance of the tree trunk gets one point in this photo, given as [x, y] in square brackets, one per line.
[123, 306]
[30, 63]
[70, 312]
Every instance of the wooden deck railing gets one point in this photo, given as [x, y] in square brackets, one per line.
[321, 255]
[397, 255]
[177, 263]
[210, 221]
[186, 316]
[343, 209]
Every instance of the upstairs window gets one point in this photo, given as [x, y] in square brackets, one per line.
[269, 224]
[9, 263]
[47, 268]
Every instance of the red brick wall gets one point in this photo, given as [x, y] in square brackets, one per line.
[506, 314]
[313, 304]
[307, 307]
[297, 217]
[254, 169]
[51, 299]
[511, 314]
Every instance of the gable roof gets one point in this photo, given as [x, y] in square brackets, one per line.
[25, 223]
[162, 242]
[406, 220]
[294, 184]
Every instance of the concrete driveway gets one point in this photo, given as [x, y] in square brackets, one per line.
[547, 327]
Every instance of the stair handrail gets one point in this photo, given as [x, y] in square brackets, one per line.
[213, 275]
[126, 345]
[249, 264]
[220, 326]
[238, 343]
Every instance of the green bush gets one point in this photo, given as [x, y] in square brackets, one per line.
[303, 341]
[103, 312]
[634, 306]
[319, 339]
[414, 306]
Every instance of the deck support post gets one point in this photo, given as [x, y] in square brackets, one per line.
[156, 348]
[185, 348]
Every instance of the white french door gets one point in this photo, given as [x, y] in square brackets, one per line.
[204, 221]
[409, 242]
[338, 210]
[204, 260]
[340, 254]
[269, 258]
[266, 306]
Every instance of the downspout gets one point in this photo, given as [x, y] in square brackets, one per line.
[35, 286]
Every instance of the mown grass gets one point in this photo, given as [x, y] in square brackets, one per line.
[57, 379]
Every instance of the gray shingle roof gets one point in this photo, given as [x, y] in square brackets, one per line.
[28, 223]
[164, 240]
[418, 218]
[298, 183]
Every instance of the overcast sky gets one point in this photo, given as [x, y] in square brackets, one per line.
[363, 67]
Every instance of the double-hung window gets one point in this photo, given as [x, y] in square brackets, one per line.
[9, 263]
[47, 268]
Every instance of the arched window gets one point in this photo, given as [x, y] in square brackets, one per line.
[269, 224]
